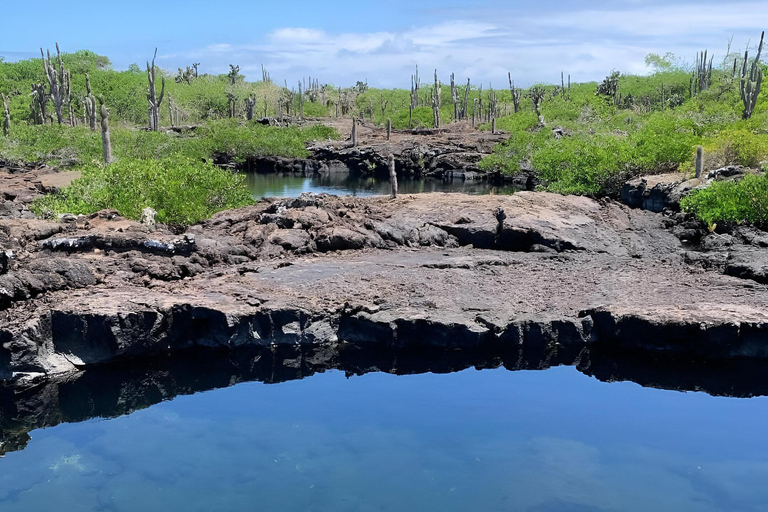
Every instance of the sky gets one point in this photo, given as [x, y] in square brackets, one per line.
[342, 42]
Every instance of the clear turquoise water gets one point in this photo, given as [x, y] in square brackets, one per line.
[279, 185]
[538, 441]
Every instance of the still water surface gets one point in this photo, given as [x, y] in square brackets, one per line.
[287, 185]
[538, 441]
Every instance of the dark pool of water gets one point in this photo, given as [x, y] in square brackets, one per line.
[539, 441]
[282, 185]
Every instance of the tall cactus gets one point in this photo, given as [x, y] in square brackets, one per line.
[105, 140]
[436, 102]
[90, 104]
[152, 98]
[749, 85]
[455, 98]
[7, 118]
[58, 82]
[516, 92]
[39, 105]
[249, 104]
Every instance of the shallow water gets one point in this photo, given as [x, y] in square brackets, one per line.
[553, 440]
[288, 185]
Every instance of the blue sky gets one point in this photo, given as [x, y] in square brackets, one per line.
[344, 41]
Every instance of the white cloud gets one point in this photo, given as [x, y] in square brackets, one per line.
[587, 44]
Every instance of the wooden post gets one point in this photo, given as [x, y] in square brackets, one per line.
[392, 175]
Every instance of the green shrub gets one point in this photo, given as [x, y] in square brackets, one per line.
[731, 202]
[183, 191]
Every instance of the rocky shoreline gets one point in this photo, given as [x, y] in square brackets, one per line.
[431, 270]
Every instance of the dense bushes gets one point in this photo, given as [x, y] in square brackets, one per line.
[74, 147]
[731, 202]
[183, 191]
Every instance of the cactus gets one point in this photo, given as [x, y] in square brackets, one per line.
[536, 94]
[436, 102]
[39, 105]
[301, 103]
[415, 89]
[516, 93]
[749, 85]
[7, 118]
[105, 141]
[389, 128]
[702, 74]
[90, 104]
[58, 82]
[466, 100]
[249, 104]
[392, 175]
[454, 98]
[699, 161]
[152, 98]
[231, 104]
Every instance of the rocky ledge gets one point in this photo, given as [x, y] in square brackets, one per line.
[530, 272]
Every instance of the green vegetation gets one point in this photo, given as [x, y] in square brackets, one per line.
[638, 125]
[590, 138]
[182, 191]
[731, 202]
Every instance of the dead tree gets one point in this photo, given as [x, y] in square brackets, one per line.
[392, 175]
[383, 104]
[58, 82]
[7, 118]
[152, 98]
[90, 104]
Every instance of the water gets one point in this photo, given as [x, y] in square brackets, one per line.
[538, 441]
[288, 185]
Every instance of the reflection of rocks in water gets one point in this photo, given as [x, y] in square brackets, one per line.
[118, 389]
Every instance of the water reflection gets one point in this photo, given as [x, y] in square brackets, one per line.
[290, 185]
[550, 440]
[122, 388]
